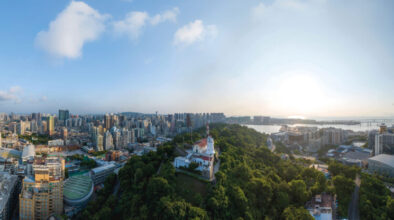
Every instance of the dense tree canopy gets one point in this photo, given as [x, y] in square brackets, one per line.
[375, 199]
[253, 183]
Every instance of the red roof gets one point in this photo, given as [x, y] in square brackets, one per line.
[201, 143]
[204, 157]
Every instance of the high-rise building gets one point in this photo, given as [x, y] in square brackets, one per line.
[333, 136]
[125, 138]
[8, 194]
[64, 133]
[384, 143]
[22, 126]
[51, 125]
[108, 141]
[114, 120]
[44, 127]
[33, 126]
[0, 139]
[42, 195]
[99, 142]
[64, 115]
[107, 122]
[382, 129]
[371, 139]
[117, 140]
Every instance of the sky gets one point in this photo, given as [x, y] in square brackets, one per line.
[310, 58]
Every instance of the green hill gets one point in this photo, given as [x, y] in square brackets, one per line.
[252, 183]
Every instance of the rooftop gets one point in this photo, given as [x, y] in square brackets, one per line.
[357, 155]
[8, 153]
[102, 168]
[7, 182]
[201, 143]
[28, 151]
[384, 158]
[77, 187]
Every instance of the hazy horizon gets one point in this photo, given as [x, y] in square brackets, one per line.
[280, 58]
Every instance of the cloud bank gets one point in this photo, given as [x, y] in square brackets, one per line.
[135, 21]
[79, 23]
[13, 94]
[72, 28]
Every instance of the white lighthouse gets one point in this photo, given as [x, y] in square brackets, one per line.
[210, 146]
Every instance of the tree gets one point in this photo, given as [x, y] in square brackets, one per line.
[218, 203]
[298, 193]
[259, 194]
[157, 188]
[239, 201]
[293, 213]
[390, 208]
[180, 210]
[344, 188]
[373, 197]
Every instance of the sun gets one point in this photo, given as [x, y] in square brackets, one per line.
[300, 94]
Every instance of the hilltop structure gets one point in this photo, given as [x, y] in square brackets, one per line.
[202, 154]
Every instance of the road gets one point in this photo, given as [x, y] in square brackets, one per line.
[116, 188]
[354, 213]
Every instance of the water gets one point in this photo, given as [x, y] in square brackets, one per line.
[364, 126]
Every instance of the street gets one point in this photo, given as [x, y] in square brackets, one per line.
[353, 212]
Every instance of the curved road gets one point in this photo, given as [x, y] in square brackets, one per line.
[354, 213]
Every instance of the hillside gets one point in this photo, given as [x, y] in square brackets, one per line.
[252, 183]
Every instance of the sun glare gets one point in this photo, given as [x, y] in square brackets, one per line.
[300, 94]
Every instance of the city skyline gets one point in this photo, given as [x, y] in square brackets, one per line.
[280, 58]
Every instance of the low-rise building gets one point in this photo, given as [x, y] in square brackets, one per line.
[77, 192]
[321, 207]
[382, 164]
[57, 142]
[99, 174]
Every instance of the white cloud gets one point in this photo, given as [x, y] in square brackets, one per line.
[72, 28]
[135, 21]
[169, 15]
[193, 32]
[13, 94]
[132, 24]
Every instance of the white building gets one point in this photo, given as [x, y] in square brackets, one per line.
[382, 141]
[57, 142]
[28, 153]
[108, 141]
[203, 153]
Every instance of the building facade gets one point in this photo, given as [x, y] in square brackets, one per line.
[42, 194]
[8, 195]
[99, 174]
[382, 164]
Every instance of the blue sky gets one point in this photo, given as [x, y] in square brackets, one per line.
[315, 58]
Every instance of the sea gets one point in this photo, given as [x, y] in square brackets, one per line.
[365, 125]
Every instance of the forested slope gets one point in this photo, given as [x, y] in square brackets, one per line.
[252, 183]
